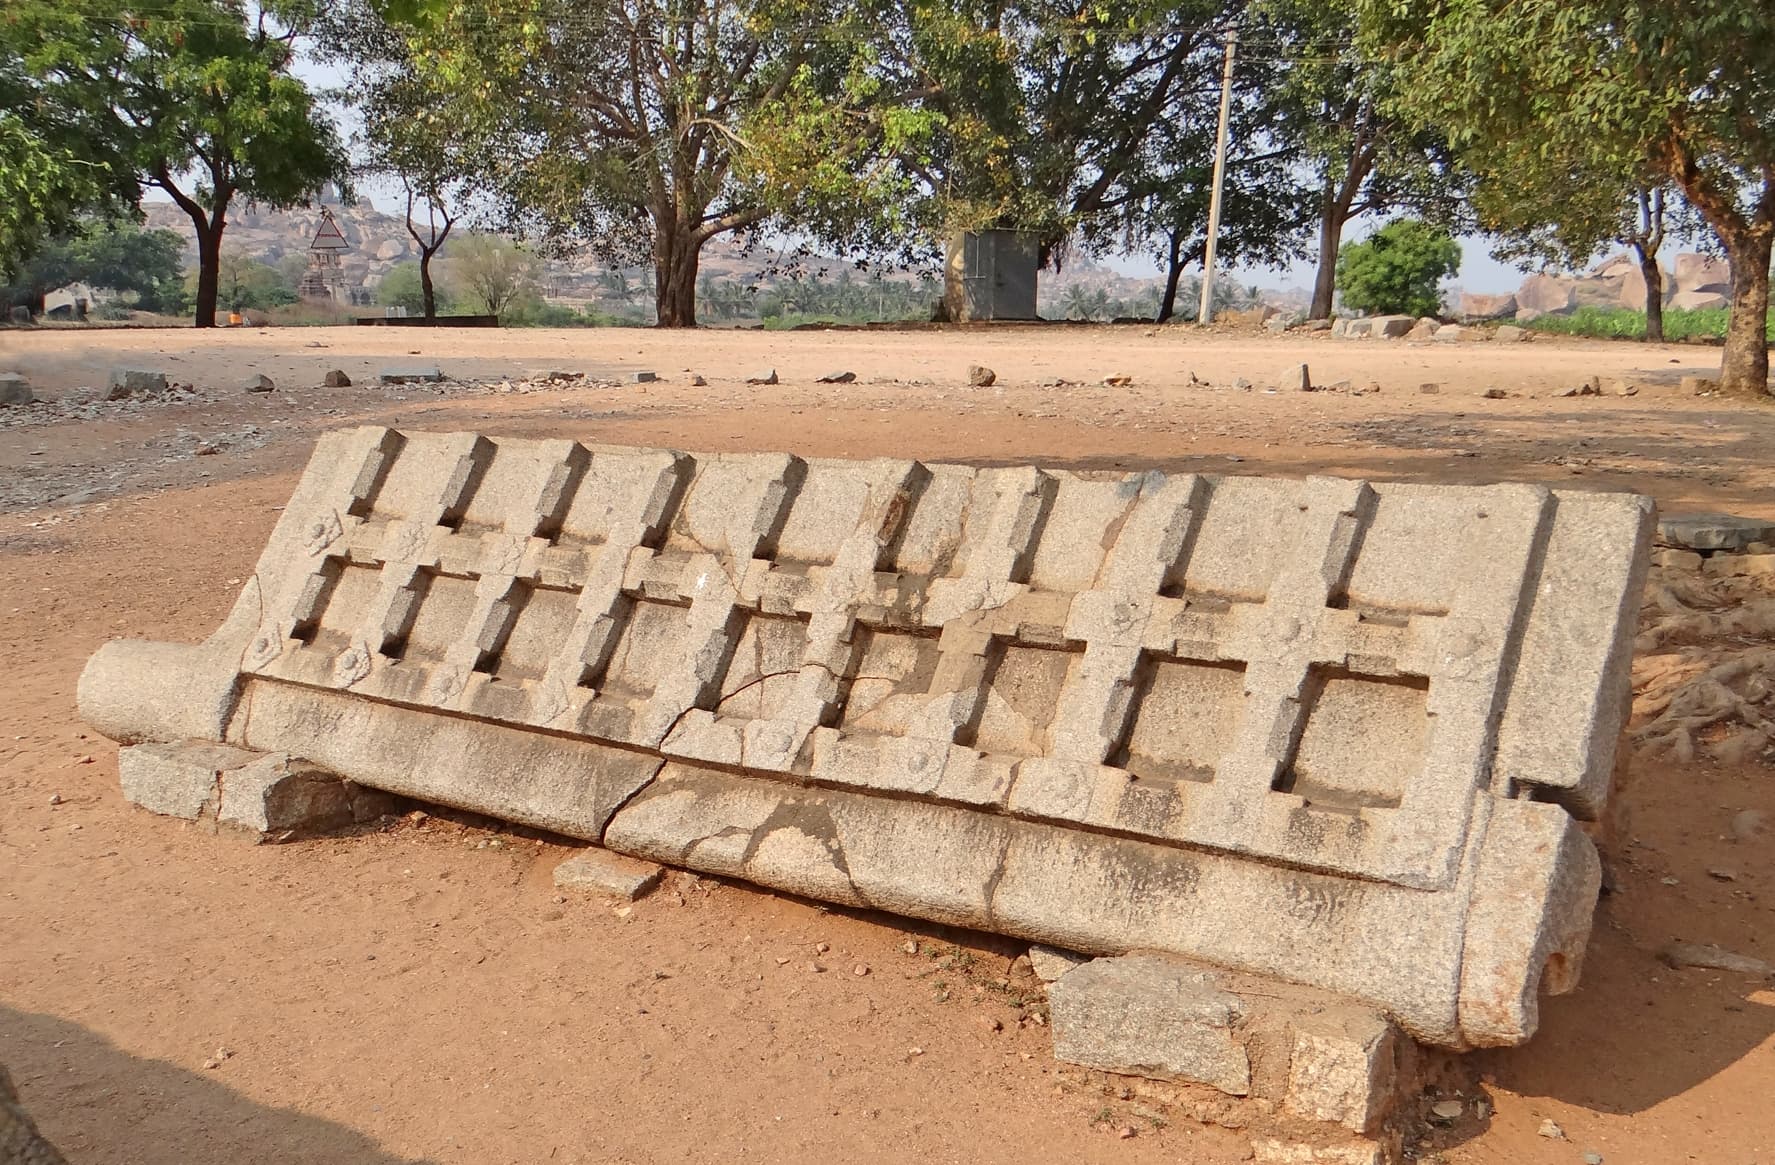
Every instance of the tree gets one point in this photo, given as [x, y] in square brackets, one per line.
[410, 133]
[493, 272]
[113, 255]
[57, 165]
[200, 96]
[1334, 115]
[1396, 270]
[629, 127]
[1685, 91]
[244, 283]
[402, 288]
[1554, 215]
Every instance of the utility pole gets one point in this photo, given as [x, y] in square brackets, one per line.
[1205, 314]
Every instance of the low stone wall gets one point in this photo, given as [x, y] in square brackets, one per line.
[1334, 733]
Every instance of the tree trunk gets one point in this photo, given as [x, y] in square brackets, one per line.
[209, 273]
[425, 284]
[676, 255]
[1744, 367]
[1654, 277]
[1331, 236]
[1173, 273]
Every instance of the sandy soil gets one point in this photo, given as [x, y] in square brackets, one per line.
[422, 994]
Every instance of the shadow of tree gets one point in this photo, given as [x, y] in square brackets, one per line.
[97, 1103]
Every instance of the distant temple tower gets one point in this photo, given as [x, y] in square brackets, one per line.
[325, 279]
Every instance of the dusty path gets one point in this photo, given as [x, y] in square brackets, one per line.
[420, 994]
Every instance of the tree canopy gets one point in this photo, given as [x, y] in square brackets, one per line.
[1397, 269]
[193, 97]
[1679, 94]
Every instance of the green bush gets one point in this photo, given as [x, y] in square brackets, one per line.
[1622, 323]
[1396, 270]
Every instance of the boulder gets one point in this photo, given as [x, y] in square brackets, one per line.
[391, 249]
[337, 379]
[1476, 308]
[1702, 273]
[1510, 335]
[643, 377]
[259, 383]
[14, 390]
[1424, 329]
[1528, 315]
[1632, 294]
[1392, 327]
[1450, 334]
[1546, 293]
[1698, 300]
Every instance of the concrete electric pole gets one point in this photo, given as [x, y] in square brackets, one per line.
[1205, 314]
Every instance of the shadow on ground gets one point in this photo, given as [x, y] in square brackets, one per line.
[97, 1104]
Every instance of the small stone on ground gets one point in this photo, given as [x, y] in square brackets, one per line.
[410, 373]
[603, 872]
[981, 376]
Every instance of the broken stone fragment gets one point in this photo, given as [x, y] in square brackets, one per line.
[1706, 956]
[837, 378]
[981, 376]
[1049, 963]
[409, 373]
[643, 377]
[336, 378]
[14, 390]
[128, 382]
[259, 383]
[603, 872]
[765, 376]
[258, 796]
[1294, 378]
[1713, 531]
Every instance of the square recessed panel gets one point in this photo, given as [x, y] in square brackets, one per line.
[1186, 715]
[544, 618]
[1363, 740]
[761, 674]
[1022, 692]
[429, 623]
[652, 633]
[890, 681]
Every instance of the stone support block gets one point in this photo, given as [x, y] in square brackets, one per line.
[1144, 1015]
[1316, 1056]
[260, 797]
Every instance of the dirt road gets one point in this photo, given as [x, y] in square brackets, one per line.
[421, 994]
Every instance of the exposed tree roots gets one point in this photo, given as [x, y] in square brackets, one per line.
[1704, 671]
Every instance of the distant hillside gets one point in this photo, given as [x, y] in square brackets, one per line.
[754, 277]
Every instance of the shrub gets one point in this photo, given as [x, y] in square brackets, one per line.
[1396, 270]
[1621, 323]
